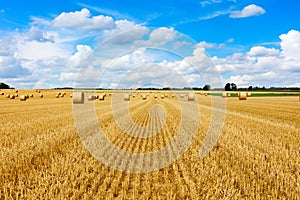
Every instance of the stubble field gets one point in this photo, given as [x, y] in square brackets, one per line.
[256, 156]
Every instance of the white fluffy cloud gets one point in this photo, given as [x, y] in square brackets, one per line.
[248, 11]
[264, 66]
[81, 20]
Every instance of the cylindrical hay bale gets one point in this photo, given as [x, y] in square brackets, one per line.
[162, 96]
[27, 96]
[57, 96]
[71, 95]
[96, 96]
[205, 94]
[59, 93]
[17, 91]
[31, 95]
[144, 97]
[22, 97]
[16, 95]
[41, 95]
[126, 97]
[248, 94]
[7, 96]
[2, 93]
[182, 95]
[133, 95]
[242, 96]
[228, 94]
[155, 96]
[191, 96]
[173, 95]
[78, 97]
[64, 93]
[224, 95]
[39, 91]
[91, 97]
[101, 97]
[11, 96]
[104, 95]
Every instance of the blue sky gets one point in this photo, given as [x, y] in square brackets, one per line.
[53, 44]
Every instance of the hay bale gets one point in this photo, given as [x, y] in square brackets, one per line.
[17, 91]
[2, 93]
[173, 95]
[182, 95]
[39, 91]
[228, 94]
[205, 94]
[23, 98]
[7, 96]
[242, 96]
[155, 96]
[71, 95]
[12, 96]
[162, 96]
[41, 95]
[27, 96]
[78, 97]
[224, 95]
[191, 96]
[31, 95]
[144, 97]
[248, 94]
[16, 95]
[133, 95]
[101, 97]
[126, 97]
[91, 97]
[57, 96]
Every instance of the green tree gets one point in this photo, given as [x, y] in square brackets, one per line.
[4, 86]
[206, 87]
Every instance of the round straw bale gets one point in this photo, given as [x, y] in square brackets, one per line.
[101, 97]
[96, 96]
[16, 95]
[126, 97]
[133, 95]
[182, 95]
[144, 97]
[57, 96]
[205, 94]
[155, 96]
[41, 95]
[71, 95]
[162, 96]
[7, 96]
[242, 96]
[173, 95]
[228, 94]
[39, 91]
[91, 97]
[248, 94]
[224, 95]
[2, 93]
[23, 98]
[191, 96]
[17, 91]
[78, 97]
[31, 95]
[11, 96]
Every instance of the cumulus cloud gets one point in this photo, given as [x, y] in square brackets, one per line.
[82, 20]
[248, 11]
[264, 66]
[82, 53]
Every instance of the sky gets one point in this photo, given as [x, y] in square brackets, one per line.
[131, 44]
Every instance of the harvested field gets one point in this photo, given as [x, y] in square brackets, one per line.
[256, 156]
